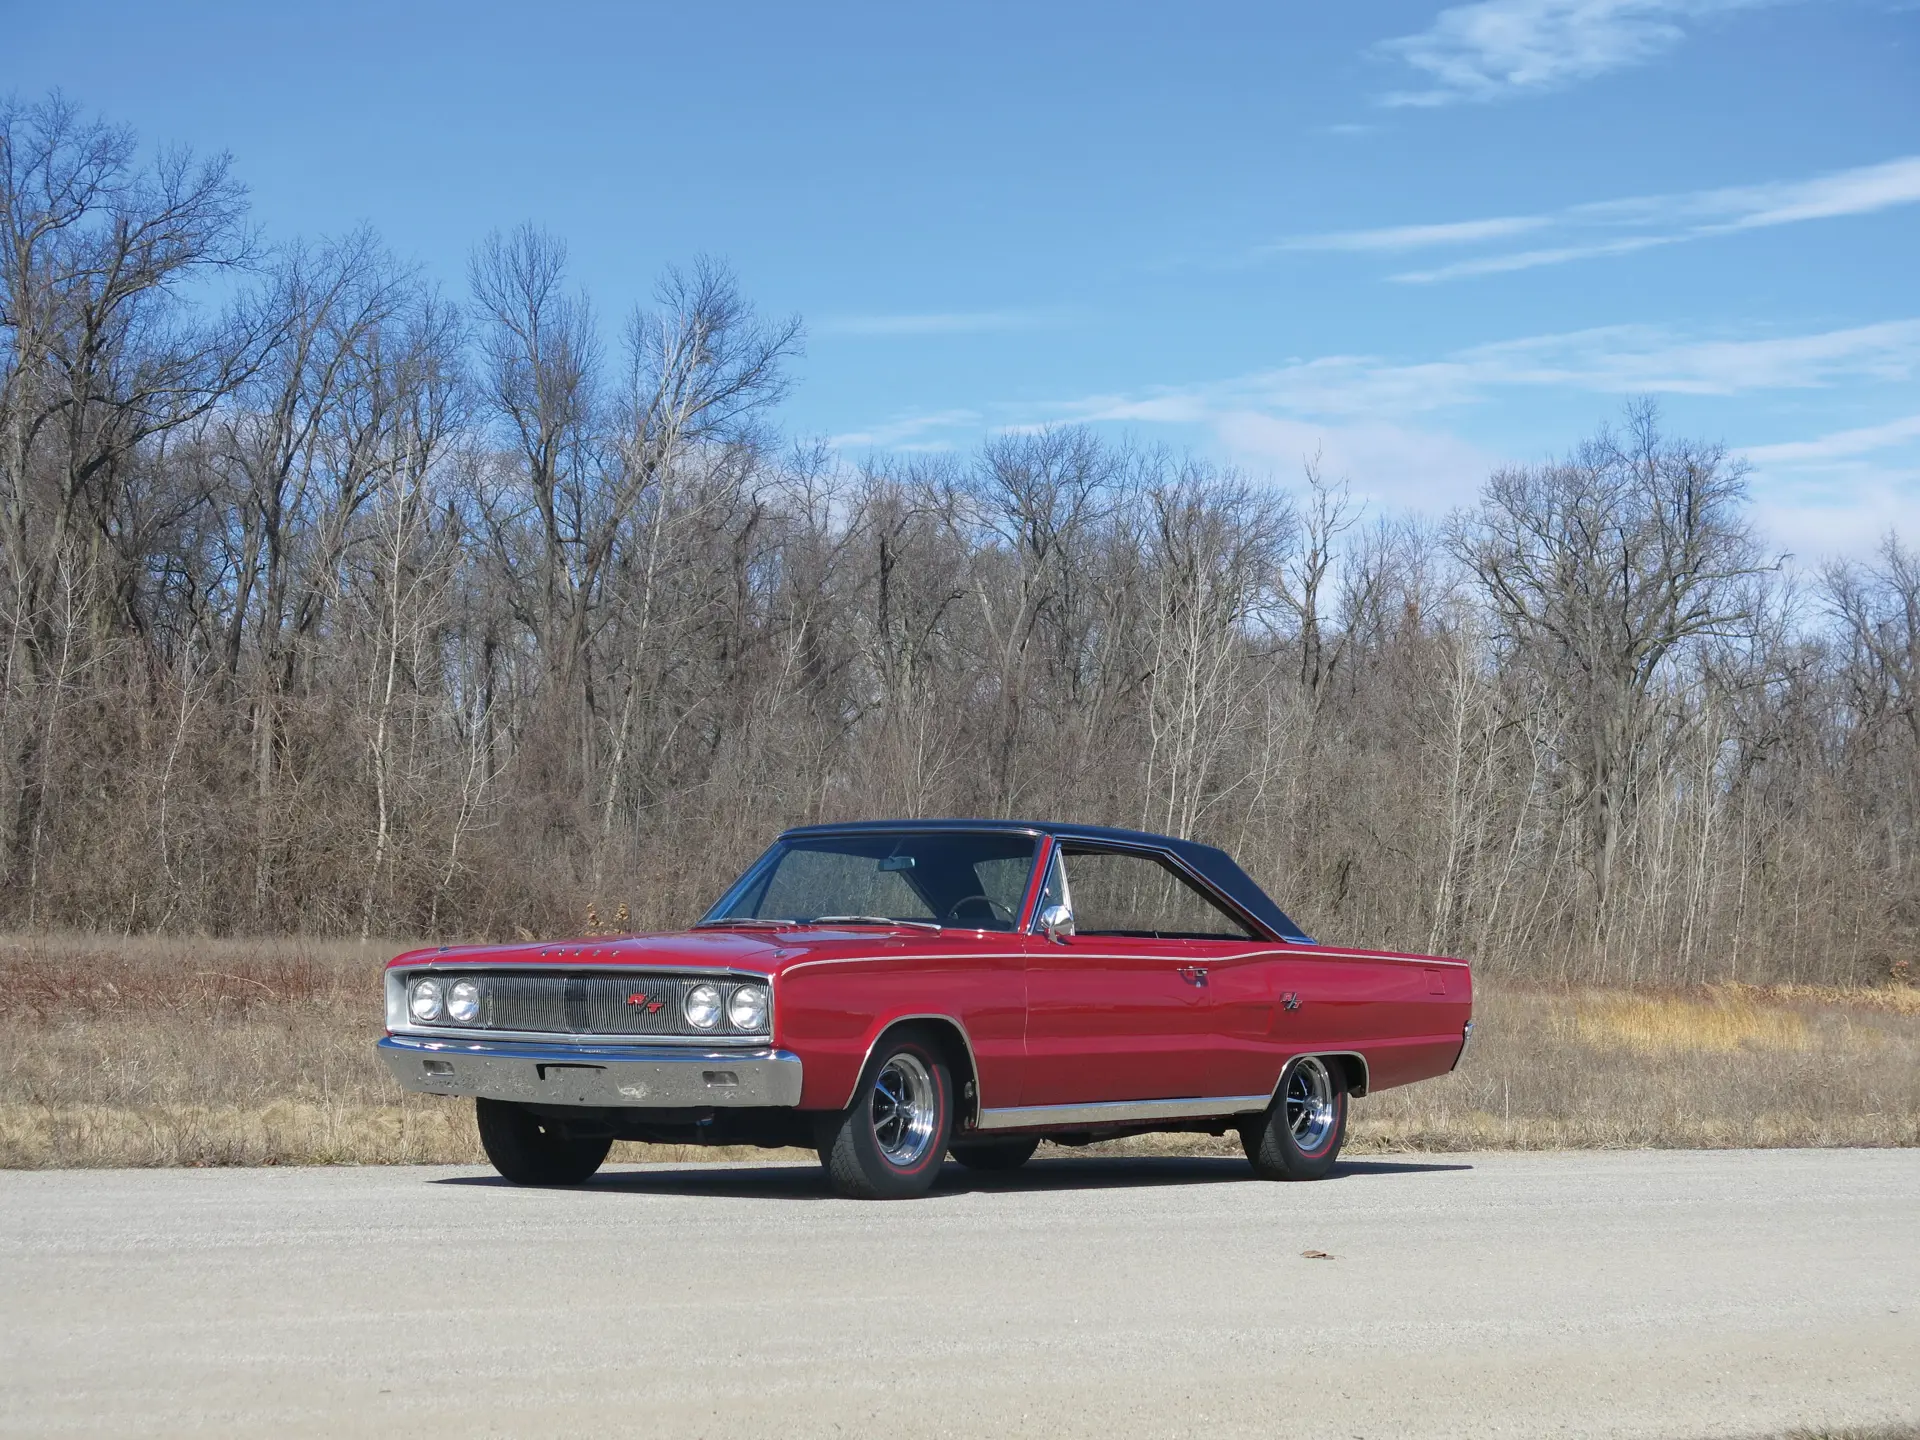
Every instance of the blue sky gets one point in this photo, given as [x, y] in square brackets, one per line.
[1419, 239]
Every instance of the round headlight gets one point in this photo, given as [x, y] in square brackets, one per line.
[463, 1001]
[747, 1008]
[424, 1002]
[703, 1007]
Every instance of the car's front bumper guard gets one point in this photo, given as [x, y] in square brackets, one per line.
[627, 1076]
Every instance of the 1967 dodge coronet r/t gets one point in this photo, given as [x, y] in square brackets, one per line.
[894, 992]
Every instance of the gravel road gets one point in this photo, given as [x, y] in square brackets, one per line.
[1669, 1294]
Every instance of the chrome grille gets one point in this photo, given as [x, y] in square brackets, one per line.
[593, 1003]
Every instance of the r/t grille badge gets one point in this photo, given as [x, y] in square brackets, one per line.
[640, 998]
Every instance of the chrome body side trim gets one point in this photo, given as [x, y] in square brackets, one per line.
[1121, 1112]
[591, 1073]
[965, 1039]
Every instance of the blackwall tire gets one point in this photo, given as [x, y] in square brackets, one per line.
[889, 1143]
[1300, 1134]
[994, 1154]
[530, 1151]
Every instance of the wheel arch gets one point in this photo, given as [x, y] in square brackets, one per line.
[1351, 1064]
[957, 1047]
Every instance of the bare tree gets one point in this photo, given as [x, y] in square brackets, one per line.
[1600, 568]
[347, 610]
[100, 358]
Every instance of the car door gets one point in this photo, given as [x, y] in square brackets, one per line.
[1117, 1010]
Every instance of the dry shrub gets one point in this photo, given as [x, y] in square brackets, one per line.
[1724, 1021]
[202, 1052]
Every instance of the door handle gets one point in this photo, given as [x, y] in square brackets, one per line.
[1193, 974]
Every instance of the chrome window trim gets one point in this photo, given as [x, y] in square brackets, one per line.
[1182, 870]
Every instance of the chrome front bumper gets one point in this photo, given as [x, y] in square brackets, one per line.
[629, 1076]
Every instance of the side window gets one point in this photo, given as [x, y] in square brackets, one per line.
[1120, 893]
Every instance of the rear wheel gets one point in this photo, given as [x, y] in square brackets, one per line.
[889, 1143]
[531, 1151]
[1300, 1134]
[995, 1154]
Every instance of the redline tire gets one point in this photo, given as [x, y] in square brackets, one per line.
[994, 1154]
[889, 1143]
[530, 1151]
[1299, 1136]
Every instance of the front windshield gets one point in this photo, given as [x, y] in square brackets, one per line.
[974, 881]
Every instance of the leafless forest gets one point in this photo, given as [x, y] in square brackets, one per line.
[336, 604]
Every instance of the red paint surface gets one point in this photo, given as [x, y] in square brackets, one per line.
[1094, 1019]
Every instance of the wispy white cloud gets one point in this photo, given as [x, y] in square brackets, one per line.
[1498, 48]
[953, 322]
[1619, 227]
[1387, 425]
[1533, 259]
[1400, 466]
[1838, 446]
[1419, 237]
[1612, 360]
[911, 432]
[1840, 492]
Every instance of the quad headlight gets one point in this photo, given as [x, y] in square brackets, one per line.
[424, 1000]
[747, 1007]
[463, 1001]
[707, 1007]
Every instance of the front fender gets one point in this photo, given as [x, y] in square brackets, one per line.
[833, 1013]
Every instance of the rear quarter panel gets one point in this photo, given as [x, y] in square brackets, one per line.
[1406, 1014]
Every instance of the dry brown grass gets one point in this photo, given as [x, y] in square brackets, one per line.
[193, 1052]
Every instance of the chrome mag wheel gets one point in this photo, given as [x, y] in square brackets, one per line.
[906, 1110]
[1309, 1102]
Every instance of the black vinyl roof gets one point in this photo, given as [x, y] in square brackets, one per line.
[1213, 867]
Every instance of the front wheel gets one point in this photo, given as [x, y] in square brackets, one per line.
[530, 1151]
[889, 1143]
[1300, 1134]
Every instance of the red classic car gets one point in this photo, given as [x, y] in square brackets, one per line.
[891, 993]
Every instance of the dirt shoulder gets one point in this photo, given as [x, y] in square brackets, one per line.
[183, 1052]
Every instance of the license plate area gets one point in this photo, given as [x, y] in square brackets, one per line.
[569, 1070]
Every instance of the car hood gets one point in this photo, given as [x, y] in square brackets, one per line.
[766, 951]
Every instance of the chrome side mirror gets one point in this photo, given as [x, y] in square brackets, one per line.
[1056, 923]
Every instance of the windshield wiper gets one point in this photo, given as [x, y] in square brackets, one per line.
[871, 920]
[747, 920]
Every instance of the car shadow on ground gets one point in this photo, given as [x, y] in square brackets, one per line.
[791, 1181]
